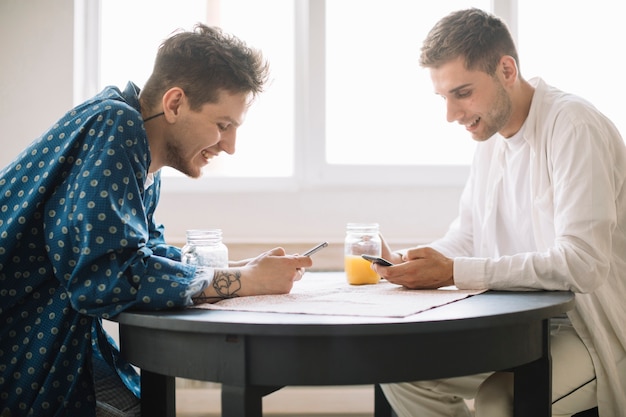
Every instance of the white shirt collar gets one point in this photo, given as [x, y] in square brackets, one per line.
[149, 181]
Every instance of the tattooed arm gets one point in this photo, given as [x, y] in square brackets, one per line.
[272, 272]
[226, 284]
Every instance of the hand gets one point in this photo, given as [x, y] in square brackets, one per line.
[421, 268]
[240, 263]
[273, 272]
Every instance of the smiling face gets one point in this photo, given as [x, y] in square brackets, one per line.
[191, 138]
[474, 99]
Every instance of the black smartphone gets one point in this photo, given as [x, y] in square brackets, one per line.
[377, 260]
[315, 249]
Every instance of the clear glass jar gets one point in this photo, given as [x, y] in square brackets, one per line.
[205, 248]
[361, 239]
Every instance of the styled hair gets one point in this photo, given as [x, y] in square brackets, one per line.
[204, 62]
[478, 37]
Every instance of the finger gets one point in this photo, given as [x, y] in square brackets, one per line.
[379, 269]
[414, 253]
[299, 273]
[303, 261]
[276, 252]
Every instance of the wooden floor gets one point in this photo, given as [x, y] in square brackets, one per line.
[279, 415]
[348, 401]
[204, 400]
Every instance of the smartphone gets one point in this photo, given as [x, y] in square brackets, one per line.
[315, 249]
[377, 260]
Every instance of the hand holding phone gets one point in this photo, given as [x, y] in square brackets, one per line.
[377, 260]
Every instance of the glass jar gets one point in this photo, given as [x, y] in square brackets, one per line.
[205, 248]
[361, 239]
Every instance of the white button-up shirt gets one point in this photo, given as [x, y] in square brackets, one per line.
[578, 221]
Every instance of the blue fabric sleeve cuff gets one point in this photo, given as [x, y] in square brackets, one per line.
[201, 280]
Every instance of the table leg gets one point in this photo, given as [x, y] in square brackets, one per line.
[244, 401]
[158, 395]
[533, 383]
[382, 408]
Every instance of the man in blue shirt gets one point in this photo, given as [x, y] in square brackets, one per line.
[78, 239]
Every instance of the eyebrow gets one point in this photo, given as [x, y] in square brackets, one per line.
[461, 87]
[230, 120]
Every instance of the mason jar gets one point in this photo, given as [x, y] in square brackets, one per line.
[205, 248]
[361, 239]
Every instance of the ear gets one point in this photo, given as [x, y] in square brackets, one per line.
[173, 100]
[508, 69]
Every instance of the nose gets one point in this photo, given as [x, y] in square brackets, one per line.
[227, 144]
[453, 111]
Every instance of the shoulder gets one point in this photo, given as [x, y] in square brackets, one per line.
[555, 112]
[110, 107]
[108, 120]
[550, 102]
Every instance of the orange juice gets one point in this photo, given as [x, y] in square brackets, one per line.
[359, 271]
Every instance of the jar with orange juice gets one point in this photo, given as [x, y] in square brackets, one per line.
[361, 239]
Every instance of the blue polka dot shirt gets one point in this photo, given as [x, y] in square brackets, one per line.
[78, 243]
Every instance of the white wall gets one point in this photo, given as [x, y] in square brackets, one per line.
[36, 69]
[36, 87]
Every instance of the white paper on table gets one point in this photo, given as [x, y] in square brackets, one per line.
[330, 294]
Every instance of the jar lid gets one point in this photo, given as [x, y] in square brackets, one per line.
[204, 235]
[362, 227]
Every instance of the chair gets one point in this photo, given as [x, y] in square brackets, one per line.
[382, 407]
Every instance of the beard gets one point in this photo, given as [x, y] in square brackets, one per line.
[498, 116]
[176, 160]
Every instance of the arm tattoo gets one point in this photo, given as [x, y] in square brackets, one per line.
[226, 284]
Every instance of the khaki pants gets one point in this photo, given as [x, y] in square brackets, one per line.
[573, 386]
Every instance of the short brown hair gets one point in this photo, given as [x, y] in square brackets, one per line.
[478, 37]
[203, 62]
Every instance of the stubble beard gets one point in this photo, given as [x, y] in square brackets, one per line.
[498, 116]
[178, 162]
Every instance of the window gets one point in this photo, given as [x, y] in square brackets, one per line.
[286, 125]
[378, 100]
[266, 131]
[348, 103]
[576, 46]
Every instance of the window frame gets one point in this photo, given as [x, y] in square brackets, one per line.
[310, 168]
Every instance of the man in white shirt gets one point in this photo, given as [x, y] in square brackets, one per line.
[544, 208]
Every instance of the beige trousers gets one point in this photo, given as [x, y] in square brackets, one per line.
[573, 386]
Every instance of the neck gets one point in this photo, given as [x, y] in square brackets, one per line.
[521, 101]
[155, 128]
